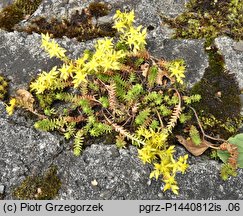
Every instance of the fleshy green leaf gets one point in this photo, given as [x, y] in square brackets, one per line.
[223, 155]
[238, 141]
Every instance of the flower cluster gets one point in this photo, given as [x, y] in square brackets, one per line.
[11, 106]
[134, 37]
[52, 47]
[156, 152]
[105, 57]
[177, 69]
[110, 89]
[45, 81]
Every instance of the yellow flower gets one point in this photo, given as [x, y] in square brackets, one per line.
[45, 81]
[51, 77]
[170, 183]
[119, 26]
[79, 77]
[126, 18]
[156, 172]
[104, 44]
[106, 64]
[53, 48]
[45, 39]
[11, 106]
[170, 150]
[173, 188]
[147, 154]
[182, 163]
[136, 39]
[92, 66]
[80, 62]
[177, 69]
[130, 17]
[66, 71]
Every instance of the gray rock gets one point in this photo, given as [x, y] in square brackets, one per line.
[146, 9]
[22, 58]
[241, 100]
[238, 46]
[119, 177]
[24, 151]
[233, 57]
[102, 171]
[207, 183]
[125, 177]
[22, 54]
[191, 51]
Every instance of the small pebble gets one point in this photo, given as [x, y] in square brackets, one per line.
[94, 183]
[2, 187]
[238, 46]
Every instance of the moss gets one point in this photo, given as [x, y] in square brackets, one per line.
[10, 16]
[39, 187]
[79, 26]
[13, 14]
[219, 108]
[28, 6]
[3, 87]
[98, 9]
[209, 19]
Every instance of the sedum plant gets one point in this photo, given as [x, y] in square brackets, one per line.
[118, 88]
[3, 87]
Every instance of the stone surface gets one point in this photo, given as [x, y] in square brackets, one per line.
[102, 171]
[233, 55]
[121, 175]
[191, 51]
[148, 10]
[24, 150]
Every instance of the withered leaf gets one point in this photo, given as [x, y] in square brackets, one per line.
[196, 150]
[162, 63]
[161, 74]
[163, 77]
[25, 99]
[145, 69]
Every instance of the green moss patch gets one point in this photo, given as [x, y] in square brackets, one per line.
[16, 12]
[219, 108]
[209, 19]
[39, 187]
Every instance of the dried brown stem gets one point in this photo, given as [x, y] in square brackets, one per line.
[200, 125]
